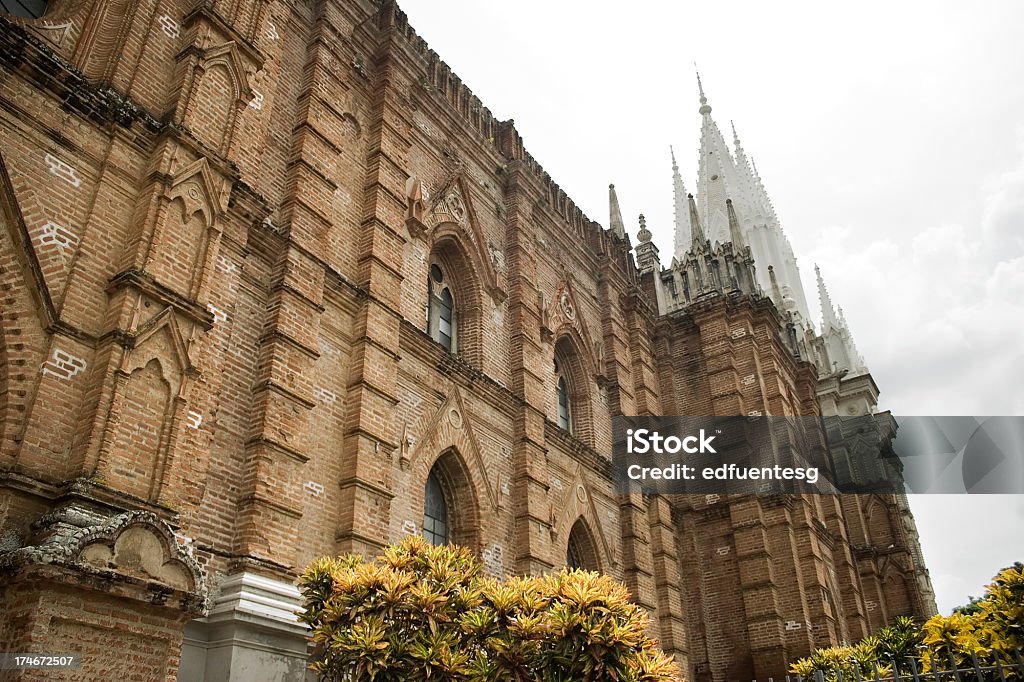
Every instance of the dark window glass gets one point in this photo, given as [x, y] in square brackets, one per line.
[564, 421]
[435, 512]
[574, 555]
[440, 310]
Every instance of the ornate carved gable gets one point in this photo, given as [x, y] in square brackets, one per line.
[227, 54]
[450, 427]
[452, 212]
[161, 337]
[198, 191]
[577, 501]
[562, 316]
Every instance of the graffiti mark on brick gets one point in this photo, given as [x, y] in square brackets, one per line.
[272, 33]
[194, 419]
[314, 489]
[169, 26]
[63, 365]
[711, 499]
[323, 395]
[218, 314]
[257, 100]
[52, 234]
[409, 527]
[63, 170]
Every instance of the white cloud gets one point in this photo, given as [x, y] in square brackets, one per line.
[939, 315]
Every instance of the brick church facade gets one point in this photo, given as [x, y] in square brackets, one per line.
[275, 284]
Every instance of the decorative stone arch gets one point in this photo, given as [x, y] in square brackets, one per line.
[582, 545]
[104, 32]
[460, 496]
[450, 429]
[191, 229]
[214, 125]
[226, 55]
[462, 270]
[894, 582]
[571, 357]
[197, 189]
[452, 213]
[576, 505]
[155, 366]
[878, 520]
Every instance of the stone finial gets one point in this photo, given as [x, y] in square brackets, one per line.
[615, 214]
[704, 108]
[682, 215]
[644, 235]
[735, 233]
[828, 312]
[776, 291]
[695, 226]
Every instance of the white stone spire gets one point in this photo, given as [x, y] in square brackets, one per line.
[839, 346]
[723, 176]
[753, 201]
[767, 241]
[615, 218]
[828, 311]
[851, 346]
[717, 179]
[683, 227]
[762, 193]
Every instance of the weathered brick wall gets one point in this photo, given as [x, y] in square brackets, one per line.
[115, 638]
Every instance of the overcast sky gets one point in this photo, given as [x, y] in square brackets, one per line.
[890, 136]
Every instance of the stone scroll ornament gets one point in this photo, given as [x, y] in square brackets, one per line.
[131, 549]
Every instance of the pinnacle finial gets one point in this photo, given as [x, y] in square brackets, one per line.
[695, 227]
[643, 234]
[735, 233]
[828, 312]
[735, 137]
[614, 214]
[671, 151]
[704, 108]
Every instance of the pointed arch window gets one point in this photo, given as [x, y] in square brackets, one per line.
[574, 554]
[441, 317]
[435, 511]
[581, 553]
[562, 399]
